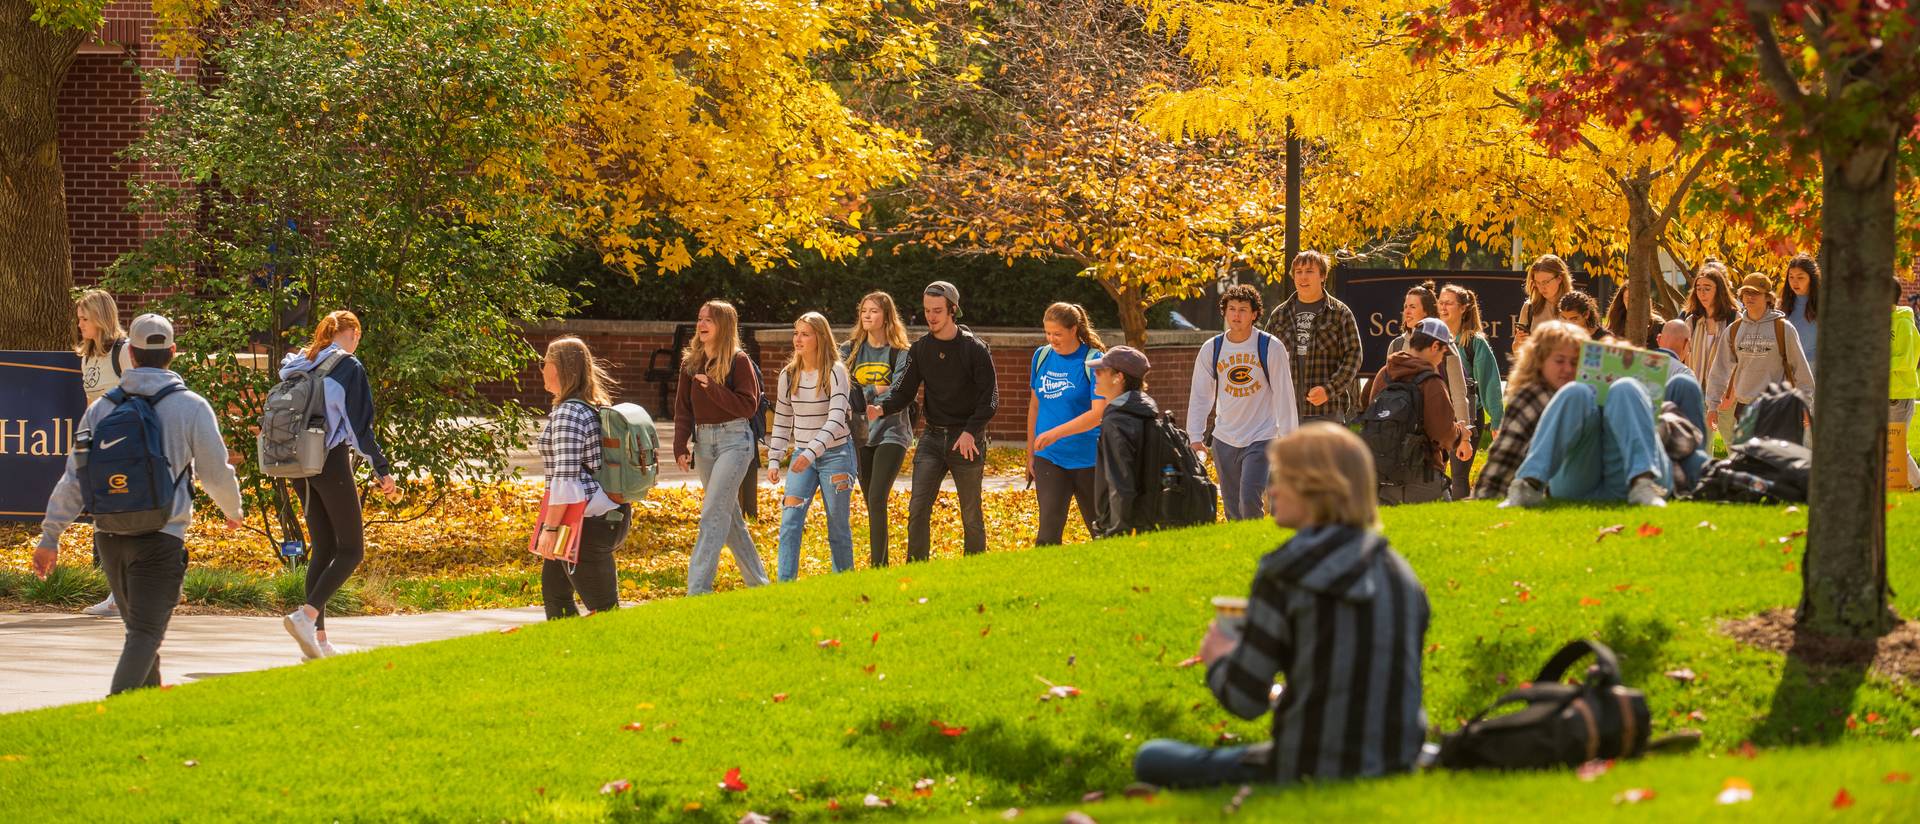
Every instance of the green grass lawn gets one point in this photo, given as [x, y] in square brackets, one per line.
[835, 688]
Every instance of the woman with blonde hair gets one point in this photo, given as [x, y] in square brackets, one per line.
[331, 499]
[1063, 420]
[719, 390]
[875, 354]
[1547, 280]
[101, 343]
[570, 452]
[811, 409]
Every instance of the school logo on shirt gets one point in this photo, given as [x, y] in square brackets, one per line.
[872, 373]
[1055, 384]
[1240, 374]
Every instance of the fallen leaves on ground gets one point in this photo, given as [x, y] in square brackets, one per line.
[1734, 791]
[1633, 795]
[1609, 530]
[949, 731]
[1592, 770]
[1842, 799]
[616, 787]
[1683, 675]
[731, 781]
[1649, 530]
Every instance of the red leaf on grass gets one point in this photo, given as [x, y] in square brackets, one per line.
[1634, 795]
[1592, 770]
[674, 740]
[1790, 567]
[1140, 790]
[779, 698]
[616, 787]
[1853, 723]
[1897, 778]
[731, 781]
[509, 630]
[1189, 662]
[1622, 587]
[950, 732]
[1526, 595]
[876, 640]
[923, 788]
[868, 669]
[635, 727]
[829, 642]
[1747, 750]
[1649, 530]
[1589, 602]
[1843, 799]
[1873, 718]
[833, 805]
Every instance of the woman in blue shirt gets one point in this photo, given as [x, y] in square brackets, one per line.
[1063, 420]
[1800, 299]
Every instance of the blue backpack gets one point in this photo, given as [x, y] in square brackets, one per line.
[122, 464]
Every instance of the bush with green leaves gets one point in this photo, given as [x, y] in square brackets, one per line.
[228, 588]
[387, 158]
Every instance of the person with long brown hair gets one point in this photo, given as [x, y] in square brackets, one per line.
[1800, 300]
[810, 414]
[1710, 309]
[1460, 308]
[101, 344]
[570, 452]
[719, 389]
[1063, 420]
[331, 499]
[1548, 278]
[876, 353]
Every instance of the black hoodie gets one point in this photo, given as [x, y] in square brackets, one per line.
[1123, 431]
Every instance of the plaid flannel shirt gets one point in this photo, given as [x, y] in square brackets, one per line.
[570, 452]
[1509, 447]
[1332, 359]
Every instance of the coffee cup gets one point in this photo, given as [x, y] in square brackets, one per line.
[1230, 615]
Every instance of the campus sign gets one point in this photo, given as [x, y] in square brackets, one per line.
[38, 412]
[1375, 296]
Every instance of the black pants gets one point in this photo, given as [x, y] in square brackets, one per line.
[144, 572]
[1462, 490]
[1056, 487]
[879, 466]
[933, 459]
[336, 541]
[594, 576]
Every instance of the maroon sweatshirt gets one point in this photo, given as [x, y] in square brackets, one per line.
[693, 404]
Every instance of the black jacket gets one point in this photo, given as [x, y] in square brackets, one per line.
[958, 376]
[1123, 431]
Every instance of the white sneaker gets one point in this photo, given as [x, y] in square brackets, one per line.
[104, 609]
[301, 628]
[327, 650]
[1524, 492]
[1646, 492]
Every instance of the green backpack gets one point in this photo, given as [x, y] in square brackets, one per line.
[629, 451]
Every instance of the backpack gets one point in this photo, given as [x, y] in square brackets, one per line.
[629, 451]
[1762, 470]
[1781, 413]
[293, 425]
[1395, 431]
[1261, 340]
[125, 476]
[1562, 725]
[1183, 494]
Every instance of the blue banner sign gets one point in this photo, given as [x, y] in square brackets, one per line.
[39, 408]
[1376, 295]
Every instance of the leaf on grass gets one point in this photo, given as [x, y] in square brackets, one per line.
[1747, 750]
[1873, 718]
[189, 763]
[509, 630]
[1649, 530]
[1188, 662]
[833, 805]
[1842, 799]
[986, 629]
[1060, 691]
[1683, 674]
[1705, 525]
[616, 787]
[1226, 738]
[1792, 509]
[828, 642]
[1094, 797]
[1734, 791]
[1790, 567]
[1239, 797]
[923, 788]
[1525, 595]
[1590, 602]
[1011, 814]
[1622, 587]
[1077, 817]
[691, 807]
[1633, 795]
[1897, 778]
[1501, 525]
[950, 732]
[876, 801]
[875, 641]
[779, 698]
[731, 781]
[755, 818]
[1592, 770]
[1140, 790]
[635, 727]
[1697, 715]
[868, 669]
[674, 740]
[1609, 530]
[12, 758]
[1853, 723]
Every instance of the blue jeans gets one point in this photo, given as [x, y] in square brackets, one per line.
[836, 495]
[723, 453]
[1584, 451]
[1243, 477]
[1167, 763]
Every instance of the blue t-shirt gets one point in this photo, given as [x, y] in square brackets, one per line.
[1065, 388]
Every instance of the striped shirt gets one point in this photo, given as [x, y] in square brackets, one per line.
[806, 419]
[1342, 616]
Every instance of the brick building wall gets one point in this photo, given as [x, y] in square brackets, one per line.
[626, 346]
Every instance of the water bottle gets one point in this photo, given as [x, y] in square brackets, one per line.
[1169, 477]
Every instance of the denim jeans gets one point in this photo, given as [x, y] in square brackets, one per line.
[723, 454]
[144, 573]
[933, 459]
[1584, 451]
[1165, 763]
[834, 467]
[1243, 477]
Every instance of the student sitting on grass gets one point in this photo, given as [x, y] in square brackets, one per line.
[1351, 706]
[1559, 439]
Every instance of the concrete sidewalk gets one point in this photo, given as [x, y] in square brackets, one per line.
[47, 659]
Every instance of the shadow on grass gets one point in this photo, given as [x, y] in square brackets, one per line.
[1637, 645]
[1816, 690]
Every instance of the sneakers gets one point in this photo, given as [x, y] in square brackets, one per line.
[301, 628]
[1524, 492]
[1646, 492]
[104, 609]
[326, 651]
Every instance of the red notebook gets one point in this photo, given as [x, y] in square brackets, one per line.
[566, 546]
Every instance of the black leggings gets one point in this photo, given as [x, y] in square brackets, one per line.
[594, 577]
[1057, 487]
[879, 467]
[335, 539]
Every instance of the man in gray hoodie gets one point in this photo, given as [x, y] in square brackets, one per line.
[145, 571]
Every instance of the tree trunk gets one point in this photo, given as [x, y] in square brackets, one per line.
[1844, 575]
[35, 264]
[1133, 310]
[1643, 260]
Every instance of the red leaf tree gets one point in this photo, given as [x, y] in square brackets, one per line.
[1839, 80]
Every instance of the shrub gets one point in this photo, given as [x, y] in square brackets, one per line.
[67, 586]
[224, 588]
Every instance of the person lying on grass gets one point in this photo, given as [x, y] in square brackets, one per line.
[1339, 613]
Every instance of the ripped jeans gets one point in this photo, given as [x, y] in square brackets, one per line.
[832, 475]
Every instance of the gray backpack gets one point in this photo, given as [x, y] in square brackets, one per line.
[293, 427]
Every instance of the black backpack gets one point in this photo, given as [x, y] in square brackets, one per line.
[1781, 413]
[1395, 431]
[1762, 470]
[1562, 725]
[1174, 488]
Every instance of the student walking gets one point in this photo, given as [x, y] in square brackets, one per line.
[957, 370]
[1120, 376]
[1758, 349]
[1710, 309]
[1548, 278]
[810, 412]
[331, 499]
[1338, 612]
[1904, 381]
[571, 449]
[876, 355]
[1800, 301]
[1242, 378]
[717, 391]
[102, 346]
[1460, 308]
[1408, 477]
[1422, 302]
[1323, 339]
[143, 552]
[1063, 420]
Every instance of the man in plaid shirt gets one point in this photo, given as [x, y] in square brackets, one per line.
[1324, 340]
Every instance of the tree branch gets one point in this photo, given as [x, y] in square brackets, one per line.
[1686, 183]
[1773, 64]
